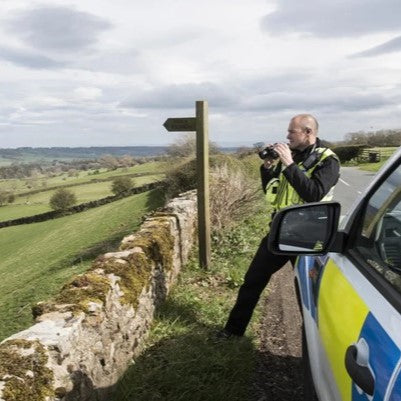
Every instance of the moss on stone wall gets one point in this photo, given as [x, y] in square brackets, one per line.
[24, 372]
[157, 244]
[135, 276]
[84, 289]
[77, 294]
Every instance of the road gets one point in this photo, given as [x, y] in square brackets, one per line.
[279, 373]
[351, 185]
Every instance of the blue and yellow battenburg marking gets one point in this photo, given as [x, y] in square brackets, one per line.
[351, 321]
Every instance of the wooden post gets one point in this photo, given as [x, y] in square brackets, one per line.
[202, 168]
[201, 126]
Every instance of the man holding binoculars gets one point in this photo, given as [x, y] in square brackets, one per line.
[294, 173]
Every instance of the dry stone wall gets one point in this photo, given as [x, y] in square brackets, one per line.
[84, 339]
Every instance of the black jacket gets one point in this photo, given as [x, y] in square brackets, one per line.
[324, 176]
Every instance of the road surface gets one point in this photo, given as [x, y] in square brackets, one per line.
[351, 185]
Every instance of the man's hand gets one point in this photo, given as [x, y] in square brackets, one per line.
[267, 163]
[285, 153]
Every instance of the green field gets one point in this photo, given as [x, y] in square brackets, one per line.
[18, 186]
[31, 204]
[37, 259]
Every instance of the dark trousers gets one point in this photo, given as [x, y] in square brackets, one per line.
[262, 267]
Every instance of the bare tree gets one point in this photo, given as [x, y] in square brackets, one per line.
[185, 146]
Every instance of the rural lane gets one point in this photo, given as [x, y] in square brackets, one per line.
[279, 375]
[351, 185]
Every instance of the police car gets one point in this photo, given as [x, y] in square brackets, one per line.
[348, 279]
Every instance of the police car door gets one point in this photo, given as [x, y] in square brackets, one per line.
[359, 300]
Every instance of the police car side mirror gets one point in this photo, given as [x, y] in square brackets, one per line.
[309, 229]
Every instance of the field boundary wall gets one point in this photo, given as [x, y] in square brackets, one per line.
[83, 340]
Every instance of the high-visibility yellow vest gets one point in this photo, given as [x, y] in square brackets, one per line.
[280, 193]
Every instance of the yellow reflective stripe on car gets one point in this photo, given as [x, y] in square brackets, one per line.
[340, 329]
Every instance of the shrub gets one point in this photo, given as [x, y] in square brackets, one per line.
[232, 196]
[233, 188]
[186, 147]
[62, 199]
[121, 184]
[3, 197]
[6, 197]
[347, 153]
[180, 178]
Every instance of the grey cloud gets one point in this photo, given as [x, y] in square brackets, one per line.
[28, 59]
[58, 28]
[246, 97]
[333, 19]
[224, 94]
[329, 101]
[393, 45]
[180, 97]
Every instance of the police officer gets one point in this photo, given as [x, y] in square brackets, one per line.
[305, 172]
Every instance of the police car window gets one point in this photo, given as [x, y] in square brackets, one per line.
[380, 240]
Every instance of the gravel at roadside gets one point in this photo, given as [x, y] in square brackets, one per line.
[278, 375]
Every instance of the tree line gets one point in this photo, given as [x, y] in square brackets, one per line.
[381, 138]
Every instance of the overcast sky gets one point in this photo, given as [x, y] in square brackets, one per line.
[105, 73]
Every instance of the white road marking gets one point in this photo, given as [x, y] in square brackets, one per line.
[346, 183]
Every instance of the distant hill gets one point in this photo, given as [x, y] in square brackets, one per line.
[27, 154]
[81, 152]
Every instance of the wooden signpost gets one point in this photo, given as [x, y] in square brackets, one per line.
[200, 125]
[180, 124]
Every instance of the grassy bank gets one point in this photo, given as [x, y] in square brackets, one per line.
[373, 167]
[37, 259]
[182, 359]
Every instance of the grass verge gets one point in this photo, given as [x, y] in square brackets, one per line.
[373, 167]
[37, 259]
[182, 359]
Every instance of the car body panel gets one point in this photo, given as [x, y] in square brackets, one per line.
[336, 316]
[342, 328]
